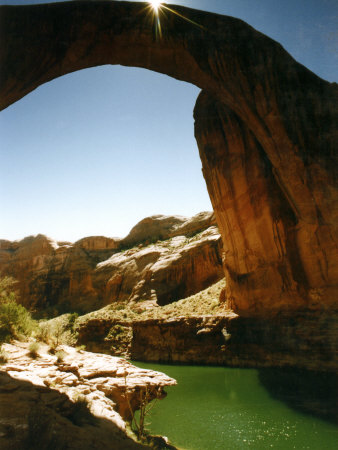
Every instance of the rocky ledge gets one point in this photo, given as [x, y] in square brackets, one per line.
[225, 338]
[79, 401]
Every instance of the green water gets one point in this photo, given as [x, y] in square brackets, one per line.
[224, 408]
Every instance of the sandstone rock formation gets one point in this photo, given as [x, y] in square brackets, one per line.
[49, 272]
[218, 336]
[231, 340]
[39, 396]
[163, 272]
[94, 271]
[266, 128]
[154, 228]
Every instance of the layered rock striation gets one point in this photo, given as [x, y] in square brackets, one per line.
[231, 340]
[95, 271]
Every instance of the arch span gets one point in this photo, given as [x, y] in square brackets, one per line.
[264, 124]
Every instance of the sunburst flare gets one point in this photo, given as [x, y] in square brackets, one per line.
[156, 5]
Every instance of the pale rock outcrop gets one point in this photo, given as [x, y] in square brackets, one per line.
[163, 272]
[37, 399]
[154, 228]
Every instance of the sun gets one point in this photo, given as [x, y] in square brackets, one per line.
[155, 4]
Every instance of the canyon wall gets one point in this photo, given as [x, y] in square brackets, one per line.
[266, 128]
[236, 341]
[220, 339]
[57, 277]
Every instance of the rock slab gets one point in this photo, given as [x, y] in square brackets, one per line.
[40, 403]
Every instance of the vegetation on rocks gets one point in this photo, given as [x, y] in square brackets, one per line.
[34, 349]
[58, 331]
[15, 321]
[203, 303]
[3, 356]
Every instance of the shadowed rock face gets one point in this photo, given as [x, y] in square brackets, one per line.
[265, 127]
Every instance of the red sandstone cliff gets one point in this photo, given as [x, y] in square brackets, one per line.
[94, 271]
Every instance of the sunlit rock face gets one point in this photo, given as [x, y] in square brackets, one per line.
[163, 272]
[163, 259]
[279, 249]
[49, 273]
[39, 399]
[265, 127]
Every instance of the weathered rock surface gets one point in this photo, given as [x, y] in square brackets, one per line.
[94, 272]
[266, 128]
[38, 399]
[225, 338]
[163, 272]
[231, 340]
[154, 228]
[49, 272]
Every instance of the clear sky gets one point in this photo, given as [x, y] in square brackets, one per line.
[94, 152]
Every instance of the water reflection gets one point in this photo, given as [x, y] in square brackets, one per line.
[314, 393]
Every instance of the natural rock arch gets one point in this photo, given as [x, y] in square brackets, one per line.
[264, 124]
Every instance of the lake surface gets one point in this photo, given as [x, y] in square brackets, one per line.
[226, 408]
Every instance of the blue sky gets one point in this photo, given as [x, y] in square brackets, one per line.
[94, 152]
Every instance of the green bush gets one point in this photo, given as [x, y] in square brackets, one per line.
[34, 349]
[15, 321]
[3, 356]
[60, 355]
[58, 331]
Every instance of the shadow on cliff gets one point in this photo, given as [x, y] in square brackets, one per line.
[313, 393]
[36, 417]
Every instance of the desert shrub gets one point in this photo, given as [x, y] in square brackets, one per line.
[33, 349]
[119, 337]
[58, 331]
[60, 355]
[147, 400]
[116, 330]
[80, 348]
[15, 321]
[3, 356]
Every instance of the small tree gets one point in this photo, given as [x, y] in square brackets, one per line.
[57, 331]
[145, 397]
